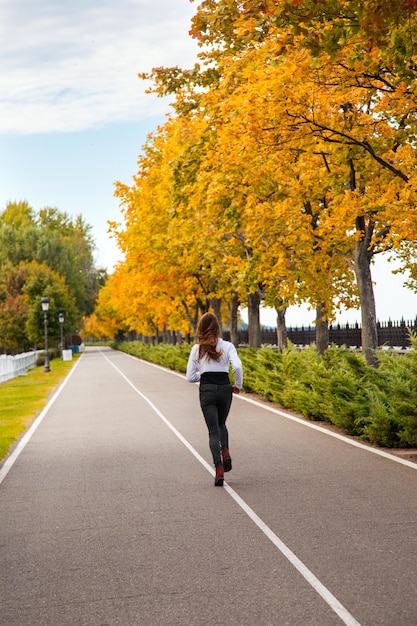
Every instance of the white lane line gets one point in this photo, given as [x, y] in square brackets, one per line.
[299, 420]
[327, 596]
[11, 459]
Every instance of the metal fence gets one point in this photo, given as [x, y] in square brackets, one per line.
[12, 366]
[392, 334]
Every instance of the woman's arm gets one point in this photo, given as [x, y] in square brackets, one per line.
[193, 374]
[236, 364]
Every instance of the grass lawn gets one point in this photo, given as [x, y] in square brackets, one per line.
[23, 398]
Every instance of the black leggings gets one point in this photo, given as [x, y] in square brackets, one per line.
[215, 401]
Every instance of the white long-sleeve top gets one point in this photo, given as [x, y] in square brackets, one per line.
[229, 357]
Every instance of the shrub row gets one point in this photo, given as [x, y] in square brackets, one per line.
[378, 405]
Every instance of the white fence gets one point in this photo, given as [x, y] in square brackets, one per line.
[12, 366]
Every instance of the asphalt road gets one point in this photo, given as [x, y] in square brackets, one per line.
[109, 516]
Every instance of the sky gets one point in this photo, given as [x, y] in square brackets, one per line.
[74, 115]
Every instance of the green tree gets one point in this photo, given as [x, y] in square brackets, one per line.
[40, 279]
[67, 246]
[57, 242]
[21, 316]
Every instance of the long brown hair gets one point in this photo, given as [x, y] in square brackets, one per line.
[208, 333]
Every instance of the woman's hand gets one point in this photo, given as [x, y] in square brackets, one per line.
[235, 389]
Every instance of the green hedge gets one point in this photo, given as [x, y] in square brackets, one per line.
[378, 405]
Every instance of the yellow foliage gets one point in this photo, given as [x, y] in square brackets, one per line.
[297, 154]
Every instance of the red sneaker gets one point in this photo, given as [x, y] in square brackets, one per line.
[227, 460]
[218, 479]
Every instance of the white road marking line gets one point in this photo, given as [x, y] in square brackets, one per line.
[327, 596]
[299, 420]
[11, 459]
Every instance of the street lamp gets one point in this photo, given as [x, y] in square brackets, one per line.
[45, 307]
[61, 319]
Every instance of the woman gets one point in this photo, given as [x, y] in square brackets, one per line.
[209, 364]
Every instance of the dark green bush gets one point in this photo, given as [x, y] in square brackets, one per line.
[53, 354]
[262, 372]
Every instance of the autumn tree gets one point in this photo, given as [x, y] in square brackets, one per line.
[361, 55]
[162, 273]
[259, 191]
[351, 93]
[241, 153]
[288, 166]
[181, 240]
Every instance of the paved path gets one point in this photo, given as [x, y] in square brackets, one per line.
[109, 516]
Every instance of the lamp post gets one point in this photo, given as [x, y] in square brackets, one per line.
[45, 308]
[61, 319]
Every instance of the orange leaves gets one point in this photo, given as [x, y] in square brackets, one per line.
[294, 139]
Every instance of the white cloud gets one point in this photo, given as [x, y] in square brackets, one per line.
[72, 65]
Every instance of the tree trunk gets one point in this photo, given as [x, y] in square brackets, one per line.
[282, 340]
[254, 330]
[367, 300]
[234, 307]
[216, 304]
[362, 256]
[199, 309]
[322, 330]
